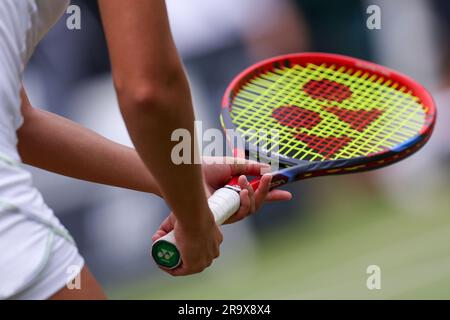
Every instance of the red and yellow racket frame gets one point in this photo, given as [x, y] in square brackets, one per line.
[308, 169]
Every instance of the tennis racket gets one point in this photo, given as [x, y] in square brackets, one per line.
[333, 115]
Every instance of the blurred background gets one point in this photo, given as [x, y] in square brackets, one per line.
[320, 244]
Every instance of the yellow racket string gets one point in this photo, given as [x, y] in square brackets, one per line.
[401, 115]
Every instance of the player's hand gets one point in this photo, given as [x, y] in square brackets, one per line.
[199, 244]
[191, 241]
[218, 171]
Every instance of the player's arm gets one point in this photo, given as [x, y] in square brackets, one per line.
[154, 99]
[56, 144]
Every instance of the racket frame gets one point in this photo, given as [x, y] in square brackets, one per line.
[302, 169]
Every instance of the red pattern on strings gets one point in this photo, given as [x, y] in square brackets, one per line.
[357, 119]
[327, 90]
[327, 147]
[296, 117]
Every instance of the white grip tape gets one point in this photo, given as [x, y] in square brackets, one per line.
[223, 204]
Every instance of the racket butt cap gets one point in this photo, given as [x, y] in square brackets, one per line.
[166, 254]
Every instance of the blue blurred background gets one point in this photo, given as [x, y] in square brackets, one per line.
[320, 244]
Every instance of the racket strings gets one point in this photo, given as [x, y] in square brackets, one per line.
[280, 94]
[366, 112]
[334, 143]
[312, 145]
[315, 146]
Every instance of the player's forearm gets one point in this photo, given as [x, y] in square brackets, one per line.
[154, 98]
[151, 119]
[59, 145]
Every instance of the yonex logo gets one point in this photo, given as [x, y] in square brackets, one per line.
[278, 182]
[165, 254]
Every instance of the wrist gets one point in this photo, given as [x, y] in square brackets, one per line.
[194, 223]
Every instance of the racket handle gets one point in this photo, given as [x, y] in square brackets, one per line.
[223, 204]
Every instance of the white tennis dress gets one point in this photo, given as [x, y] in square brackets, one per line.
[37, 254]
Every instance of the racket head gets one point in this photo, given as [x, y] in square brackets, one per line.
[334, 114]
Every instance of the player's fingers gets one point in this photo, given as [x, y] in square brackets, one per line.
[165, 227]
[279, 195]
[244, 209]
[247, 167]
[263, 190]
[168, 224]
[183, 270]
[180, 271]
[244, 184]
[220, 239]
[158, 234]
[216, 253]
